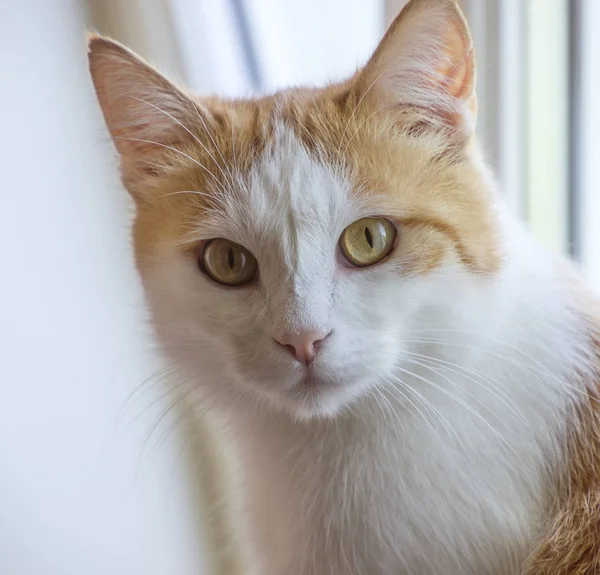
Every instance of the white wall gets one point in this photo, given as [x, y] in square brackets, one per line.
[74, 497]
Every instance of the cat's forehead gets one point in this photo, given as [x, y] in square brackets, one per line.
[278, 170]
[290, 184]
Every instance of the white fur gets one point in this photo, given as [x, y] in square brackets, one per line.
[389, 466]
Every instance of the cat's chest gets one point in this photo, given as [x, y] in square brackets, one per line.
[421, 502]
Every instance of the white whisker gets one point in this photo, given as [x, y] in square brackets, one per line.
[457, 399]
[395, 381]
[190, 133]
[167, 147]
[354, 112]
[464, 371]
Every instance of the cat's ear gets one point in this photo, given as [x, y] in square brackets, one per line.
[426, 61]
[145, 113]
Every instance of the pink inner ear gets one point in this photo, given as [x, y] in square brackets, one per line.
[458, 69]
[425, 60]
[458, 77]
[454, 76]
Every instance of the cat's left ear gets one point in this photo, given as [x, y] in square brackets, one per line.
[425, 61]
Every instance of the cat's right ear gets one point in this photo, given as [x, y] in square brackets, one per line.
[146, 114]
[425, 61]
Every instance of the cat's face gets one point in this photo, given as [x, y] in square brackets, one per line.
[292, 247]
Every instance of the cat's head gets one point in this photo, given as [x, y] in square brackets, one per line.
[292, 246]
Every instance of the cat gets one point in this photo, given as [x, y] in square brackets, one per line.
[410, 380]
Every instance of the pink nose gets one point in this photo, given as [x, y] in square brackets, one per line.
[302, 345]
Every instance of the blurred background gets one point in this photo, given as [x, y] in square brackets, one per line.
[98, 473]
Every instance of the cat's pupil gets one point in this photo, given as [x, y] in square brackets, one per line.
[230, 258]
[369, 236]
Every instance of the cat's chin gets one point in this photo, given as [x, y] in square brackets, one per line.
[317, 398]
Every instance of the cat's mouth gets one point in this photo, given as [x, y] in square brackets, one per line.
[314, 391]
[319, 395]
[311, 381]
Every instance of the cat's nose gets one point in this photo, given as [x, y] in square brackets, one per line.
[304, 345]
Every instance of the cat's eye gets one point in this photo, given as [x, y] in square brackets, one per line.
[367, 241]
[228, 263]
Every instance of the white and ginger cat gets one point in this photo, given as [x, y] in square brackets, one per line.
[410, 380]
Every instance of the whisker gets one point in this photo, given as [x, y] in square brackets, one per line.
[428, 405]
[455, 398]
[495, 390]
[214, 202]
[349, 141]
[185, 413]
[354, 112]
[161, 373]
[388, 403]
[209, 133]
[528, 369]
[172, 405]
[233, 153]
[167, 147]
[385, 411]
[189, 131]
[168, 392]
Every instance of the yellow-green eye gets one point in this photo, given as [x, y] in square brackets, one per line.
[367, 241]
[228, 263]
